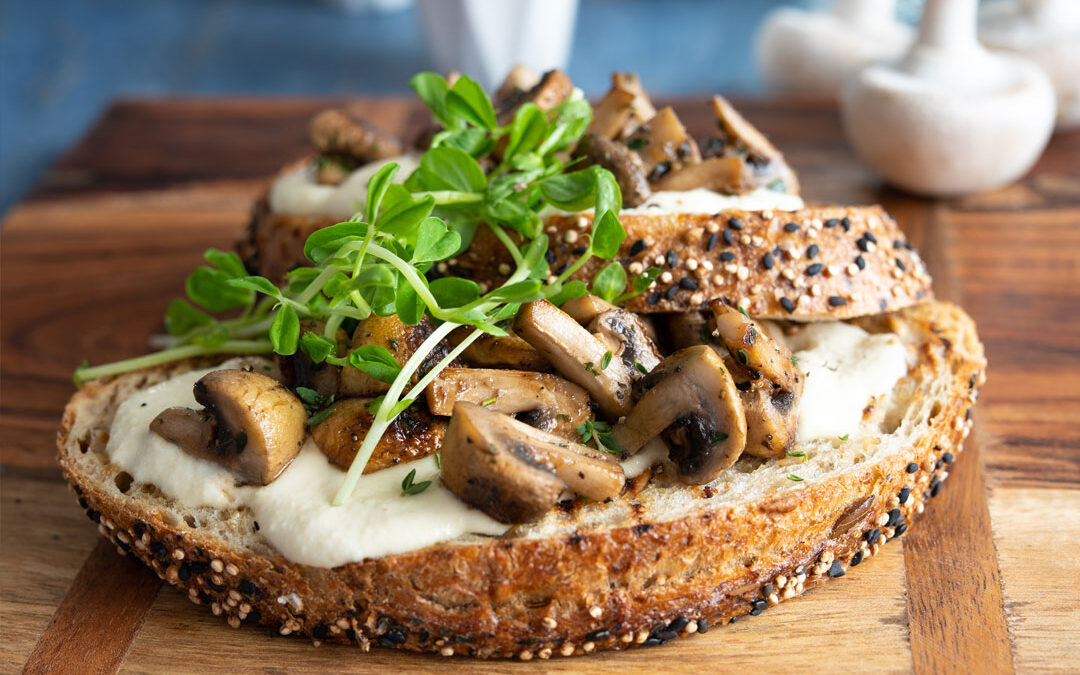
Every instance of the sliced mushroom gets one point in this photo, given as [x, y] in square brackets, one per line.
[552, 89]
[399, 339]
[623, 332]
[623, 109]
[299, 370]
[519, 80]
[687, 329]
[738, 138]
[625, 164]
[577, 354]
[726, 175]
[664, 145]
[252, 424]
[507, 351]
[547, 402]
[769, 380]
[337, 131]
[413, 434]
[516, 473]
[690, 398]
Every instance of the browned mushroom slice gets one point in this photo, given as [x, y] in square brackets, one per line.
[687, 329]
[547, 402]
[552, 89]
[252, 425]
[412, 435]
[334, 169]
[577, 354]
[337, 131]
[506, 351]
[519, 80]
[298, 370]
[514, 472]
[664, 145]
[770, 382]
[726, 175]
[623, 332]
[691, 399]
[738, 138]
[399, 339]
[623, 109]
[625, 164]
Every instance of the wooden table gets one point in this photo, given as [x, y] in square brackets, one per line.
[986, 581]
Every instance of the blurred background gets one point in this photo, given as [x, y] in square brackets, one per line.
[62, 61]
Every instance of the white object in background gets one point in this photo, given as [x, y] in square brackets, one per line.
[816, 51]
[951, 117]
[1047, 32]
[372, 6]
[484, 39]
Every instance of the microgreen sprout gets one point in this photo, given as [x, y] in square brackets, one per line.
[379, 261]
[599, 434]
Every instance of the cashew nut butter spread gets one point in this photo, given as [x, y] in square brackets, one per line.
[845, 368]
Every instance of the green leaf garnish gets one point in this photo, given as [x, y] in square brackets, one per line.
[409, 488]
[606, 360]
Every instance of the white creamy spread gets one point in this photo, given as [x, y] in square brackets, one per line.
[298, 193]
[845, 367]
[701, 200]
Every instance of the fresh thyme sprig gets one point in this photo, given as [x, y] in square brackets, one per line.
[378, 261]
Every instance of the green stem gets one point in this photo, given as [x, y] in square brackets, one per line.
[85, 374]
[412, 276]
[444, 197]
[576, 266]
[382, 416]
[502, 236]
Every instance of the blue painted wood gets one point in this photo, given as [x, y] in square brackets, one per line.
[61, 61]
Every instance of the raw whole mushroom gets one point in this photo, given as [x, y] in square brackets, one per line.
[951, 118]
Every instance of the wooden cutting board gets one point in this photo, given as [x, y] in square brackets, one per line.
[986, 581]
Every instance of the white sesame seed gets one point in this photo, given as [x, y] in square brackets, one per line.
[781, 581]
[691, 628]
[713, 226]
[731, 268]
[627, 637]
[883, 519]
[833, 270]
[343, 624]
[756, 240]
[788, 274]
[827, 557]
[666, 277]
[570, 236]
[217, 565]
[549, 622]
[447, 651]
[234, 621]
[525, 655]
[635, 267]
[658, 260]
[773, 599]
[852, 269]
[691, 264]
[177, 554]
[815, 290]
[743, 272]
[744, 304]
[744, 240]
[504, 269]
[642, 636]
[718, 279]
[215, 608]
[596, 612]
[582, 222]
[588, 647]
[707, 264]
[545, 653]
[789, 592]
[567, 649]
[811, 233]
[697, 298]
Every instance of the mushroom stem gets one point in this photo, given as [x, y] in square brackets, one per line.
[948, 25]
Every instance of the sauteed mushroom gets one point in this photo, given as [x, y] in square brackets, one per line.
[507, 351]
[623, 332]
[337, 131]
[577, 354]
[690, 398]
[299, 370]
[547, 402]
[413, 434]
[399, 339]
[770, 382]
[251, 425]
[664, 145]
[623, 109]
[629, 170]
[514, 472]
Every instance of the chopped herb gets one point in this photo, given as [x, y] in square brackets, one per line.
[606, 360]
[796, 453]
[562, 416]
[637, 143]
[742, 310]
[490, 401]
[394, 344]
[744, 358]
[313, 400]
[320, 417]
[438, 459]
[845, 437]
[718, 437]
[591, 369]
[794, 360]
[409, 488]
[641, 366]
[795, 478]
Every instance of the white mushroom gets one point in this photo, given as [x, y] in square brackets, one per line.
[413, 434]
[516, 473]
[691, 399]
[951, 118]
[251, 425]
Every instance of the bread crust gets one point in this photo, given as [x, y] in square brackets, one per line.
[583, 591]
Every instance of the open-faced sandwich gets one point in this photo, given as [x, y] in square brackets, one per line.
[563, 379]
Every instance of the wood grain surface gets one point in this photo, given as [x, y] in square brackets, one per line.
[984, 582]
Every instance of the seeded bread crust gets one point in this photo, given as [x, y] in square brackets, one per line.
[580, 585]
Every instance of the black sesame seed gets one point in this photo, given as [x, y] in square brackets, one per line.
[688, 283]
[837, 301]
[560, 269]
[139, 529]
[83, 503]
[869, 236]
[122, 546]
[900, 529]
[159, 550]
[320, 631]
[199, 567]
[255, 616]
[671, 258]
[767, 590]
[901, 265]
[947, 458]
[665, 635]
[649, 642]
[912, 468]
[934, 489]
[734, 223]
[580, 250]
[727, 256]
[863, 246]
[670, 293]
[767, 261]
[759, 606]
[898, 243]
[812, 251]
[846, 222]
[549, 256]
[217, 588]
[937, 464]
[637, 247]
[836, 570]
[856, 559]
[94, 515]
[653, 298]
[729, 238]
[872, 536]
[659, 171]
[787, 304]
[832, 222]
[702, 626]
[902, 497]
[678, 624]
[860, 262]
[712, 241]
[894, 518]
[814, 269]
[391, 639]
[791, 227]
[184, 572]
[598, 635]
[247, 587]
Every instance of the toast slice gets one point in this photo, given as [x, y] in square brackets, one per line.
[663, 560]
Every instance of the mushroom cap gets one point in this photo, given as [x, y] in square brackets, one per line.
[257, 417]
[413, 434]
[693, 392]
[195, 431]
[516, 473]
